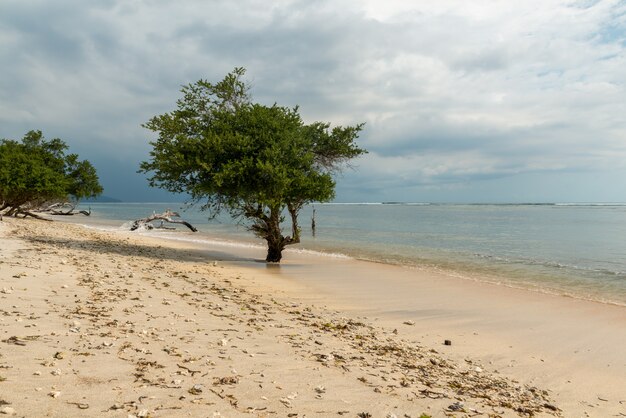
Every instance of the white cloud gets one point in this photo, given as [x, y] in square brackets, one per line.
[450, 90]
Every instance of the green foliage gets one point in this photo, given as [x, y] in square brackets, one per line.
[251, 160]
[35, 171]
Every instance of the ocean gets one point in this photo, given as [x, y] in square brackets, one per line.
[578, 250]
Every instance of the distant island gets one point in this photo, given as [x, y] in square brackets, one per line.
[103, 199]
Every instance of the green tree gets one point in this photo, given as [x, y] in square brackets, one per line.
[254, 161]
[35, 171]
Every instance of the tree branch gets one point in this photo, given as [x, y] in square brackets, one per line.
[165, 216]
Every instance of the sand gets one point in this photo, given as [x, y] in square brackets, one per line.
[97, 323]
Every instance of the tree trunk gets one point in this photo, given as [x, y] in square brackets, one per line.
[274, 252]
[295, 229]
[275, 240]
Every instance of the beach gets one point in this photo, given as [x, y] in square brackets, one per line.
[103, 323]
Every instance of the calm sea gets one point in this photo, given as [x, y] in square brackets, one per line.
[572, 249]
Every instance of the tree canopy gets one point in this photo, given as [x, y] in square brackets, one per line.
[35, 171]
[252, 160]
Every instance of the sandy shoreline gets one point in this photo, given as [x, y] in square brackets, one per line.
[96, 323]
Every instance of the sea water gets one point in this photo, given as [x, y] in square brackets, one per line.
[571, 249]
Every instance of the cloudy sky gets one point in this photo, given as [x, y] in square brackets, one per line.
[464, 101]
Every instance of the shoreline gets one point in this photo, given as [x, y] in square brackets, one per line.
[462, 270]
[496, 332]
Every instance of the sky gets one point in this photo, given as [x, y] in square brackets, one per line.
[463, 101]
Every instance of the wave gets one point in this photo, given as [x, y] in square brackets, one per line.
[204, 240]
[590, 204]
[550, 264]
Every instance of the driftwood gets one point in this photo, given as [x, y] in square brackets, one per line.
[163, 217]
[71, 212]
[59, 209]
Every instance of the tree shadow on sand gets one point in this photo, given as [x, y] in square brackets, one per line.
[157, 252]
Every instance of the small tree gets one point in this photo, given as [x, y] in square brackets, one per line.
[35, 171]
[251, 160]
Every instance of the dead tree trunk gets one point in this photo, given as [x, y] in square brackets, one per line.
[165, 216]
[57, 209]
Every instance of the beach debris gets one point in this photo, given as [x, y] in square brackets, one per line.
[15, 341]
[409, 322]
[7, 410]
[80, 405]
[195, 389]
[447, 342]
[320, 389]
[193, 372]
[54, 394]
[551, 407]
[457, 407]
[59, 355]
[228, 380]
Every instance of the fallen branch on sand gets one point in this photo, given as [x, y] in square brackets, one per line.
[164, 217]
[65, 209]
[35, 210]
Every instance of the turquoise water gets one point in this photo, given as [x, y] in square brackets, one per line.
[577, 250]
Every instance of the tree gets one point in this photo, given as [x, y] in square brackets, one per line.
[35, 171]
[255, 162]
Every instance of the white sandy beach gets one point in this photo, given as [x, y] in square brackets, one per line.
[97, 323]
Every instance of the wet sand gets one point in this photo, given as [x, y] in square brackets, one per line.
[97, 323]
